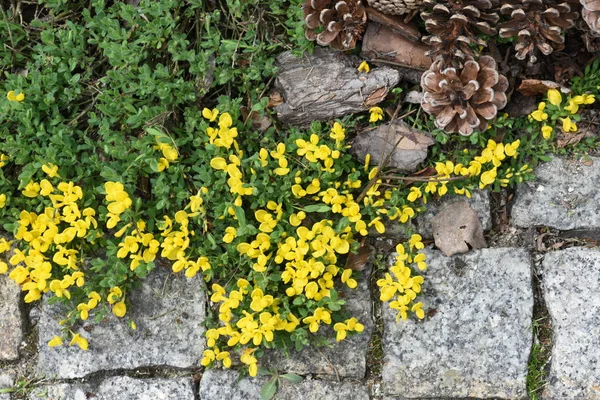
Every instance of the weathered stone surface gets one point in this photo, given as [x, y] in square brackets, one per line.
[7, 380]
[476, 343]
[457, 229]
[11, 321]
[479, 201]
[120, 387]
[168, 310]
[564, 195]
[408, 146]
[226, 385]
[327, 85]
[572, 293]
[347, 358]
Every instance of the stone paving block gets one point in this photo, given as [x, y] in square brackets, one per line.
[226, 385]
[168, 310]
[7, 380]
[572, 294]
[11, 320]
[477, 341]
[564, 195]
[119, 387]
[346, 359]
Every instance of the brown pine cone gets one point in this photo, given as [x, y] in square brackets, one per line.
[342, 22]
[536, 24]
[395, 7]
[453, 25]
[591, 14]
[464, 100]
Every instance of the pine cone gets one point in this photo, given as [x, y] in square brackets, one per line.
[464, 100]
[536, 24]
[591, 14]
[453, 25]
[343, 22]
[395, 7]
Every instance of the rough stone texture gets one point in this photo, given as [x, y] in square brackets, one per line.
[407, 145]
[120, 387]
[7, 380]
[327, 85]
[11, 321]
[479, 201]
[168, 310]
[477, 342]
[572, 293]
[564, 195]
[226, 385]
[346, 359]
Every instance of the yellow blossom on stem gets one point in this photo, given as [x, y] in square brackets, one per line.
[546, 131]
[376, 114]
[539, 114]
[568, 125]
[55, 341]
[79, 341]
[554, 97]
[50, 169]
[11, 96]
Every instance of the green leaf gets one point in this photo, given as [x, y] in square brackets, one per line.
[317, 208]
[291, 377]
[241, 216]
[269, 389]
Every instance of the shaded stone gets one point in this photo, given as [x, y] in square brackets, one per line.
[120, 387]
[408, 146]
[476, 337]
[572, 293]
[226, 385]
[564, 195]
[457, 229]
[7, 380]
[327, 85]
[11, 320]
[347, 358]
[168, 310]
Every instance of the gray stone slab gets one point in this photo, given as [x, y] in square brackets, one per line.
[168, 310]
[476, 343]
[346, 359]
[120, 387]
[7, 380]
[564, 195]
[227, 385]
[11, 320]
[572, 294]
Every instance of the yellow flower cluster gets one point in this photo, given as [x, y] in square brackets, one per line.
[225, 135]
[401, 287]
[561, 112]
[169, 153]
[342, 328]
[138, 245]
[119, 201]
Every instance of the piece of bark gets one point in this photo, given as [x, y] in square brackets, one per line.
[532, 87]
[382, 43]
[395, 23]
[414, 97]
[410, 151]
[327, 85]
[457, 229]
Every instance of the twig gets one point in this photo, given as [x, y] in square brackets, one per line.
[12, 42]
[434, 178]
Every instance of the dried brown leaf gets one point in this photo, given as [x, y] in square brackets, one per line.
[358, 261]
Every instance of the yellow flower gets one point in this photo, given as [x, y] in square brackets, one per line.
[230, 234]
[554, 97]
[79, 341]
[210, 115]
[572, 107]
[50, 169]
[56, 341]
[12, 97]
[568, 125]
[584, 99]
[364, 67]
[546, 131]
[119, 309]
[2, 200]
[376, 114]
[539, 114]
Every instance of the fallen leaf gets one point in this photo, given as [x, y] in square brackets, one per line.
[376, 97]
[532, 87]
[457, 229]
[358, 261]
[568, 139]
[275, 99]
